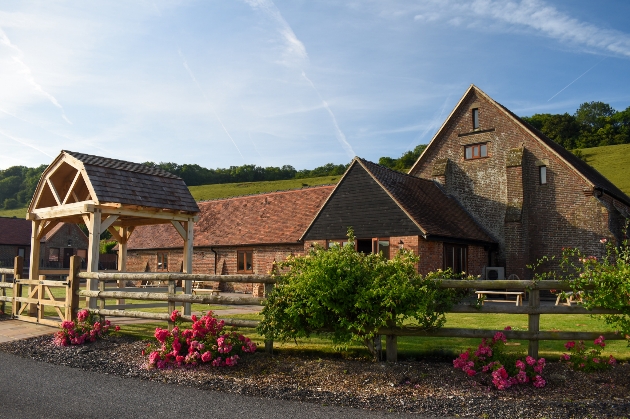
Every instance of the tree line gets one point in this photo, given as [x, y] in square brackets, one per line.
[593, 124]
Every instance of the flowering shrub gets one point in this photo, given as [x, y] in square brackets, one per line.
[205, 342]
[489, 358]
[587, 360]
[84, 330]
[600, 282]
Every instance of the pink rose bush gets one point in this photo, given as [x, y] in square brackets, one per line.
[489, 358]
[583, 359]
[204, 343]
[85, 329]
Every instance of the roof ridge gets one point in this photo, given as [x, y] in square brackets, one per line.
[380, 166]
[125, 165]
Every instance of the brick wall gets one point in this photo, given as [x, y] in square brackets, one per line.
[505, 196]
[204, 261]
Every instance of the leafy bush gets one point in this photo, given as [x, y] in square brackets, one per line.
[350, 295]
[85, 329]
[587, 360]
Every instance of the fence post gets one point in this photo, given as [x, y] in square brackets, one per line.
[171, 304]
[269, 342]
[533, 322]
[72, 299]
[18, 267]
[101, 301]
[391, 345]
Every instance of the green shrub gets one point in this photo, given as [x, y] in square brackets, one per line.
[11, 203]
[350, 295]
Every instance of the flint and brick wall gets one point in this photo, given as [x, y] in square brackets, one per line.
[504, 195]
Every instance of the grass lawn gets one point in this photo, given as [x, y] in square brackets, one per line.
[227, 190]
[611, 161]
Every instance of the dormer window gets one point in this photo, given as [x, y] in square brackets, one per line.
[476, 151]
[475, 118]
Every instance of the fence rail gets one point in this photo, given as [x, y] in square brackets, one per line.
[533, 310]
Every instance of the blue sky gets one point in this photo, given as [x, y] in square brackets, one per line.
[222, 83]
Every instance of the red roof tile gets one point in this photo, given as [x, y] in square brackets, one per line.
[277, 217]
[15, 231]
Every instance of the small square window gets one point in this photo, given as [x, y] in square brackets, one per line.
[476, 151]
[475, 118]
[542, 170]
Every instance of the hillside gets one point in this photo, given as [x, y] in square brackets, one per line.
[612, 161]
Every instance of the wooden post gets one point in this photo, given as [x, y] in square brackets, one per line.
[391, 345]
[3, 293]
[34, 268]
[269, 342]
[533, 322]
[122, 258]
[40, 294]
[94, 227]
[188, 257]
[171, 304]
[101, 301]
[72, 299]
[18, 269]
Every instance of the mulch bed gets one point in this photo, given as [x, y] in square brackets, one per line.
[428, 387]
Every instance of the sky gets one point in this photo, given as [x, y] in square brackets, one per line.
[233, 82]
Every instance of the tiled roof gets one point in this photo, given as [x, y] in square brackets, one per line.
[15, 231]
[277, 217]
[597, 179]
[135, 184]
[437, 214]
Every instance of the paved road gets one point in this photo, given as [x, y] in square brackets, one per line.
[32, 389]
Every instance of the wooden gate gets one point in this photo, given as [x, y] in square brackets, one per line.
[39, 295]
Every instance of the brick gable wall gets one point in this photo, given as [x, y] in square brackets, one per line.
[503, 193]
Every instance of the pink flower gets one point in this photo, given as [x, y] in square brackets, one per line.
[161, 334]
[569, 345]
[470, 372]
[530, 360]
[154, 357]
[499, 337]
[599, 341]
[68, 325]
[174, 315]
[539, 382]
[565, 357]
[117, 328]
[520, 365]
[522, 377]
[604, 240]
[194, 318]
[206, 356]
[596, 360]
[612, 360]
[508, 328]
[82, 315]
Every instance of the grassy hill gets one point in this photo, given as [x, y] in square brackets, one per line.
[611, 161]
[226, 190]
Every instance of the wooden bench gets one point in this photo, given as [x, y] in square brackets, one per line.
[519, 296]
[569, 298]
[199, 291]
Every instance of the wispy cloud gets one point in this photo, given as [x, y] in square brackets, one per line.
[24, 142]
[295, 53]
[194, 79]
[565, 87]
[538, 15]
[28, 74]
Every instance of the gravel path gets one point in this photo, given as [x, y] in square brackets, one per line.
[424, 387]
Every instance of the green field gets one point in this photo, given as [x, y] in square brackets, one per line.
[227, 190]
[613, 162]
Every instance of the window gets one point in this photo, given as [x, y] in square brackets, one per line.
[455, 258]
[475, 118]
[542, 171]
[340, 242]
[244, 261]
[21, 251]
[162, 259]
[53, 255]
[381, 245]
[476, 151]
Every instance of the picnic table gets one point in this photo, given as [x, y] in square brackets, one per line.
[481, 295]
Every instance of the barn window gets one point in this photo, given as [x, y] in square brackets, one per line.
[455, 257]
[162, 261]
[244, 261]
[542, 171]
[476, 151]
[475, 118]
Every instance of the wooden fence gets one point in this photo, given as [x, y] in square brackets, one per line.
[533, 309]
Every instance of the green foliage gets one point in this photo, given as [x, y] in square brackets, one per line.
[600, 282]
[18, 183]
[350, 295]
[613, 162]
[106, 246]
[11, 203]
[593, 124]
[404, 162]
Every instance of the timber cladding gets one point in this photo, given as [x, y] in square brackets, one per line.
[530, 215]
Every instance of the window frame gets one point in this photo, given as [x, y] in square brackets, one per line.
[542, 175]
[475, 118]
[377, 248]
[463, 261]
[245, 253]
[477, 146]
[162, 261]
